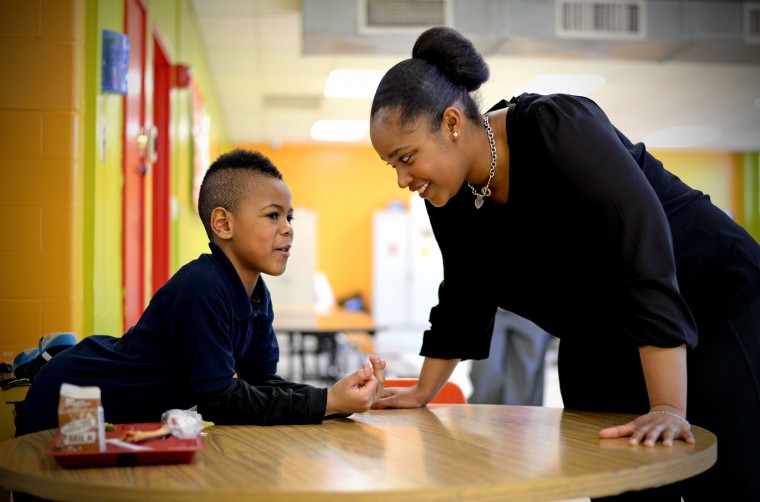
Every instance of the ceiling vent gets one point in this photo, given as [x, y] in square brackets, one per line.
[393, 16]
[690, 31]
[609, 20]
[752, 23]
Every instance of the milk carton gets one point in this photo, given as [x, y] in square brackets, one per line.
[80, 419]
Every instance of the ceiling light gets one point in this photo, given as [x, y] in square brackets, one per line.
[357, 84]
[550, 83]
[339, 130]
[682, 137]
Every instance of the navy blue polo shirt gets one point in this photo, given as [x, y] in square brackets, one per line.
[199, 329]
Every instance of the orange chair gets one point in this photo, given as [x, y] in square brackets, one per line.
[451, 393]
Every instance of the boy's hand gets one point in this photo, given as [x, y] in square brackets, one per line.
[357, 392]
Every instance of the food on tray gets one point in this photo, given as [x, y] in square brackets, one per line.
[133, 436]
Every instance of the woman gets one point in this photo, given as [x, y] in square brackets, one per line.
[543, 208]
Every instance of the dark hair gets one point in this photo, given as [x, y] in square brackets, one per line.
[227, 182]
[444, 69]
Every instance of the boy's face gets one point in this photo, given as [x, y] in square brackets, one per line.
[261, 230]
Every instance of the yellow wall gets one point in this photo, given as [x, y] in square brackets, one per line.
[714, 173]
[41, 150]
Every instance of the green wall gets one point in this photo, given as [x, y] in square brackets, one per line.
[171, 21]
[750, 196]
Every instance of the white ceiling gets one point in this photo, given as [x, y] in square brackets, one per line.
[271, 92]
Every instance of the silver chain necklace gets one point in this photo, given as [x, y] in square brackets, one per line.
[486, 190]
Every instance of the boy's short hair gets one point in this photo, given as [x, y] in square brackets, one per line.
[227, 182]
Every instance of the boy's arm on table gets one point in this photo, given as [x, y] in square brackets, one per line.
[272, 400]
[358, 391]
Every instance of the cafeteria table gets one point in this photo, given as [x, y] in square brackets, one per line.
[315, 342]
[455, 452]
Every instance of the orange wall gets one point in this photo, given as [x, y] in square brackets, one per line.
[41, 119]
[345, 184]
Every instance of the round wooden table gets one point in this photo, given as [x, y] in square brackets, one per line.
[441, 452]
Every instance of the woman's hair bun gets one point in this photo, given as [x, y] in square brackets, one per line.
[454, 55]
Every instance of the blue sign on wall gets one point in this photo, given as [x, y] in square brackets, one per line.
[115, 62]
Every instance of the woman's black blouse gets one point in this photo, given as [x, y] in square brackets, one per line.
[596, 241]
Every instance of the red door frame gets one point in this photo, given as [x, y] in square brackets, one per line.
[134, 168]
[161, 228]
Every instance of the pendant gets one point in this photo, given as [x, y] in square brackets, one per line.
[478, 202]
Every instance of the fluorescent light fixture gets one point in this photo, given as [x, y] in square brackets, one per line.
[550, 83]
[682, 137]
[355, 84]
[339, 130]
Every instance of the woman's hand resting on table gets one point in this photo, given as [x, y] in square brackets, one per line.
[652, 427]
[401, 397]
[357, 392]
[434, 374]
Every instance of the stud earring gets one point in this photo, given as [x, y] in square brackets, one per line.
[455, 134]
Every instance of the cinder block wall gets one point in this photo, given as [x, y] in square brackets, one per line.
[41, 122]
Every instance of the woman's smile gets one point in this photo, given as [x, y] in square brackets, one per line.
[422, 189]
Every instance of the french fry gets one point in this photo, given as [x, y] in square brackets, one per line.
[137, 436]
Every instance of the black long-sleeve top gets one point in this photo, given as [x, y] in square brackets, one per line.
[596, 240]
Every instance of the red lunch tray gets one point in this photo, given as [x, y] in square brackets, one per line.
[170, 450]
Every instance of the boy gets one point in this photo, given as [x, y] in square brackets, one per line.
[210, 321]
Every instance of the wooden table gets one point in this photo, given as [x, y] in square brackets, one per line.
[312, 337]
[442, 452]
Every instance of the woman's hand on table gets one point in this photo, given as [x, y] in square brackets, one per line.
[355, 393]
[401, 397]
[654, 426]
[433, 375]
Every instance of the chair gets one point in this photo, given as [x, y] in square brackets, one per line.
[450, 393]
[8, 399]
